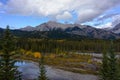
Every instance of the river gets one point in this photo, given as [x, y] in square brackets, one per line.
[30, 71]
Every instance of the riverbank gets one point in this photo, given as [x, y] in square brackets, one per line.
[30, 71]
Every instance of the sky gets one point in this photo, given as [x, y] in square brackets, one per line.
[97, 13]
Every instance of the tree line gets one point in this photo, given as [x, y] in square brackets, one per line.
[52, 46]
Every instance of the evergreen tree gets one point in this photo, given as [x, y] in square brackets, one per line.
[104, 67]
[8, 70]
[113, 73]
[118, 67]
[42, 71]
[109, 68]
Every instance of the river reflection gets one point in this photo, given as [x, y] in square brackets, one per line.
[20, 63]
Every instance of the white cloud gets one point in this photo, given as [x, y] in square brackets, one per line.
[37, 7]
[65, 16]
[114, 20]
[107, 25]
[94, 8]
[60, 9]
[87, 15]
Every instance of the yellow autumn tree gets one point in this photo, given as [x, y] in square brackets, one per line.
[37, 54]
[29, 53]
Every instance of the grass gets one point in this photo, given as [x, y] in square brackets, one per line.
[78, 63]
[74, 63]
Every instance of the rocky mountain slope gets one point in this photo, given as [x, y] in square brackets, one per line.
[55, 30]
[116, 29]
[74, 29]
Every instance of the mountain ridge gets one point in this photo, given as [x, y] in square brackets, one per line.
[50, 25]
[116, 29]
[55, 30]
[76, 29]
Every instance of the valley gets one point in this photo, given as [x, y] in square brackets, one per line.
[67, 56]
[59, 39]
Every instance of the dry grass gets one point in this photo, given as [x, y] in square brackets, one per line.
[71, 62]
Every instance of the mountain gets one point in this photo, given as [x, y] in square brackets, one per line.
[74, 29]
[1, 29]
[92, 32]
[116, 29]
[55, 30]
[107, 28]
[56, 34]
[51, 25]
[28, 28]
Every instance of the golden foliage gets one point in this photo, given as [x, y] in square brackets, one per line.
[29, 53]
[37, 55]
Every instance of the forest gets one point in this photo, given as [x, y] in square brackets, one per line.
[55, 46]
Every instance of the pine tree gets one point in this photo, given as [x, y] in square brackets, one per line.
[104, 67]
[118, 67]
[109, 68]
[8, 70]
[113, 73]
[42, 71]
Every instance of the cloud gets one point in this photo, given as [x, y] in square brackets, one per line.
[60, 9]
[108, 21]
[65, 16]
[87, 15]
[107, 25]
[94, 8]
[37, 7]
[103, 17]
